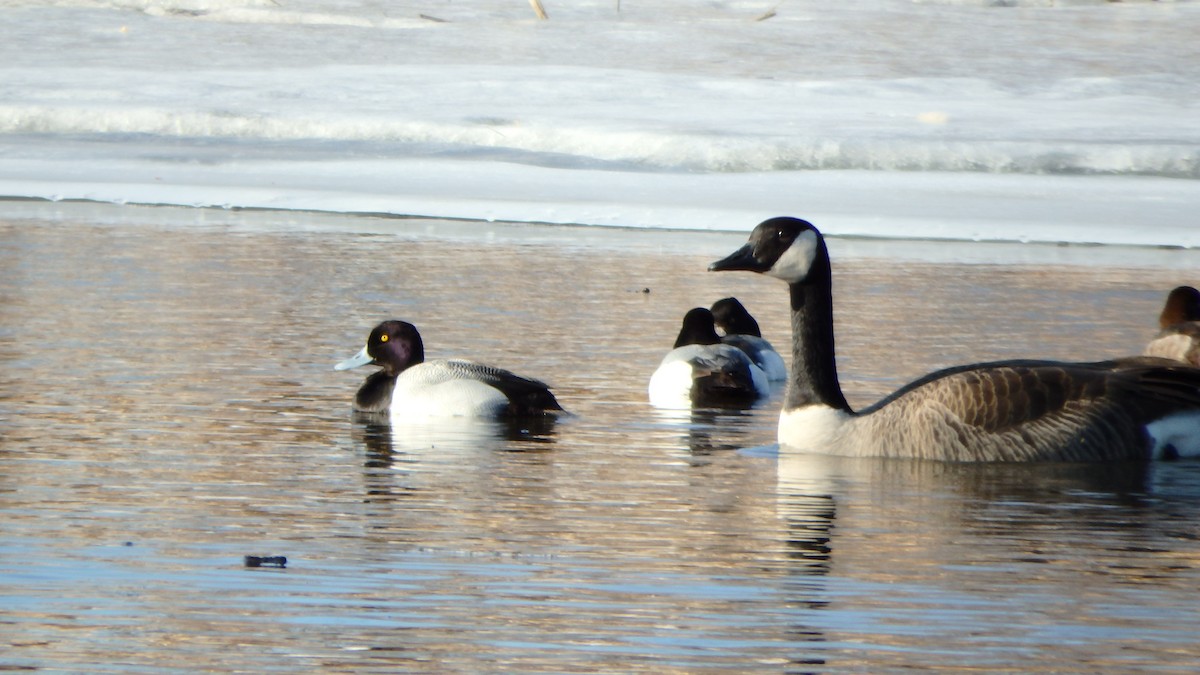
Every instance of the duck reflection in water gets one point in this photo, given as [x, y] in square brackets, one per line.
[384, 441]
[709, 430]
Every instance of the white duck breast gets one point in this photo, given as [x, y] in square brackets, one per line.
[1181, 343]
[1137, 408]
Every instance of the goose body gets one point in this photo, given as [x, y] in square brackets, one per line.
[701, 370]
[409, 387]
[1128, 409]
[1179, 327]
[742, 331]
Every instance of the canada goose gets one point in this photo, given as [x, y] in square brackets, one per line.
[1137, 408]
[1179, 323]
[742, 331]
[411, 387]
[701, 370]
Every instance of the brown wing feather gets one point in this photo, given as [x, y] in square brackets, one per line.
[1029, 410]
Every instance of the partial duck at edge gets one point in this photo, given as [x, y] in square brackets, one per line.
[1179, 327]
[1127, 409]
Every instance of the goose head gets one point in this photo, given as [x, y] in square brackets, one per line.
[392, 345]
[1183, 304]
[785, 248]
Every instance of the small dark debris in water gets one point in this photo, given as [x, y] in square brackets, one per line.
[128, 543]
[643, 291]
[266, 561]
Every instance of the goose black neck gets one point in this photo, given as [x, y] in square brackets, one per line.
[814, 376]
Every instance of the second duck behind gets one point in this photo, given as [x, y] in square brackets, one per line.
[742, 331]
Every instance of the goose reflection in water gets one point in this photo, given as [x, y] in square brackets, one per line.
[966, 513]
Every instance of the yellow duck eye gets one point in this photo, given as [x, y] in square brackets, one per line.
[383, 338]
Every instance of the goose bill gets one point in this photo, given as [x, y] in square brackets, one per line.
[741, 260]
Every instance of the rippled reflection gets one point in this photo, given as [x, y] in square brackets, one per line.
[167, 408]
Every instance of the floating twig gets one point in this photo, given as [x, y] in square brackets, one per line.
[770, 13]
[266, 561]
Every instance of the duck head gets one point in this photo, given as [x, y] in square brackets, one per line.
[392, 345]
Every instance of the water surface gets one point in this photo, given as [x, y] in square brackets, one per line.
[169, 406]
